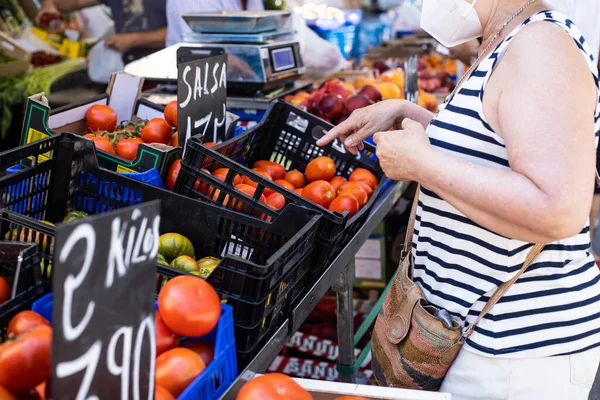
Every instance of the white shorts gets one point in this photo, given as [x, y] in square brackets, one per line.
[476, 377]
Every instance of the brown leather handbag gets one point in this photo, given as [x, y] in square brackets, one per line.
[412, 347]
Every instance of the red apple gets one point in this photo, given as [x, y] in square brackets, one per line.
[357, 101]
[331, 105]
[371, 92]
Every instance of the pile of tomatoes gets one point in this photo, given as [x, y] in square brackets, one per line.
[189, 307]
[319, 184]
[278, 386]
[124, 139]
[25, 358]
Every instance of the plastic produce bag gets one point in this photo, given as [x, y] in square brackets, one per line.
[102, 62]
[320, 57]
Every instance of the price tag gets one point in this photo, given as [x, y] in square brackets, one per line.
[201, 97]
[104, 342]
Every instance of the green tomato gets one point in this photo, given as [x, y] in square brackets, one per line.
[160, 259]
[173, 245]
[185, 263]
[75, 215]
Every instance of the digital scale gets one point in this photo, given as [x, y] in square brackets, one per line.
[263, 56]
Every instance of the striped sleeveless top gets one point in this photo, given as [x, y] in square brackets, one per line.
[554, 307]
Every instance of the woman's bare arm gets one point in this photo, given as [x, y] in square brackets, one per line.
[545, 113]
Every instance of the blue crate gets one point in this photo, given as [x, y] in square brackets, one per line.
[151, 177]
[218, 375]
[372, 33]
[21, 189]
[248, 115]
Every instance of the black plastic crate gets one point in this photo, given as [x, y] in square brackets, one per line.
[20, 266]
[286, 135]
[70, 179]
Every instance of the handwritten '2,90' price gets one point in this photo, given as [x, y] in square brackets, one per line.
[133, 244]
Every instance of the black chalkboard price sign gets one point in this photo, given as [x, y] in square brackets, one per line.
[202, 94]
[104, 341]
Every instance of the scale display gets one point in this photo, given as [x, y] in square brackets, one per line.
[283, 59]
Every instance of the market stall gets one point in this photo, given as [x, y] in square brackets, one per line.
[210, 182]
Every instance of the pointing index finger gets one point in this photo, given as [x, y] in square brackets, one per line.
[344, 128]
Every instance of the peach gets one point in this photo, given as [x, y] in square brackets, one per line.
[389, 90]
[331, 105]
[362, 81]
[357, 101]
[371, 92]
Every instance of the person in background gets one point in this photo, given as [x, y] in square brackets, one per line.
[320, 57]
[141, 25]
[177, 26]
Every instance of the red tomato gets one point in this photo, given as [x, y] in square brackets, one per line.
[172, 174]
[157, 130]
[5, 394]
[25, 321]
[221, 174]
[177, 368]
[103, 144]
[358, 193]
[285, 184]
[296, 178]
[89, 135]
[274, 386]
[265, 174]
[165, 338]
[209, 144]
[319, 192]
[4, 290]
[25, 362]
[337, 181]
[364, 175]
[320, 169]
[359, 184]
[160, 393]
[100, 117]
[206, 350]
[174, 140]
[343, 203]
[299, 191]
[128, 148]
[171, 114]
[276, 201]
[249, 191]
[189, 306]
[275, 169]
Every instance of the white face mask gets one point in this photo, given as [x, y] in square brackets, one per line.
[451, 22]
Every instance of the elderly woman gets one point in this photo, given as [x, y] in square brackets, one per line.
[507, 162]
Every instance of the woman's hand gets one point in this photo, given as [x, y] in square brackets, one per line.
[363, 123]
[401, 152]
